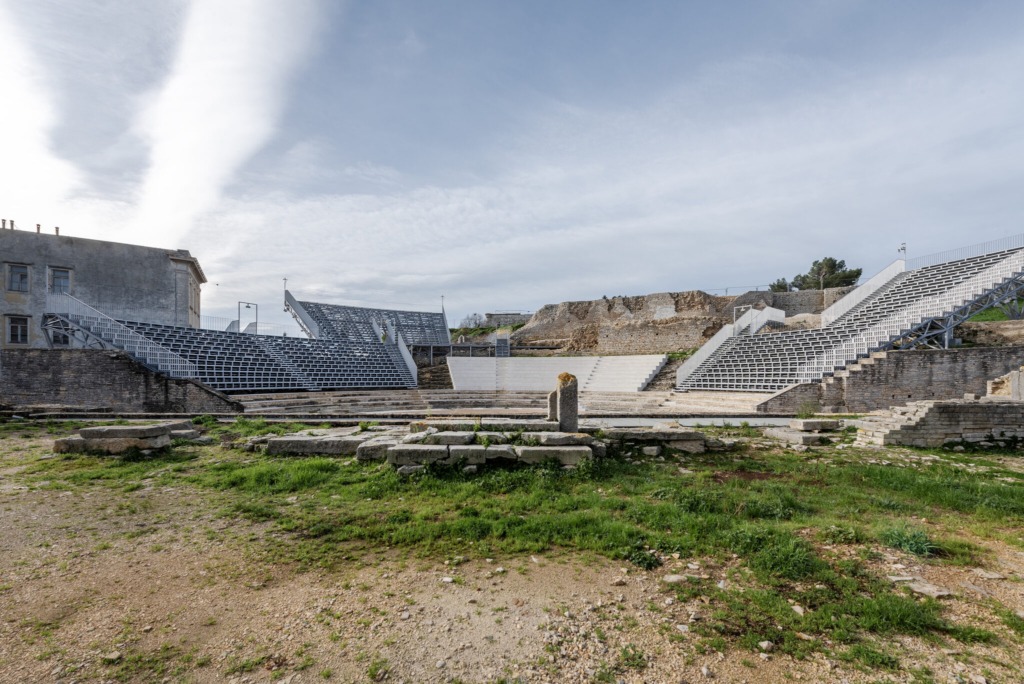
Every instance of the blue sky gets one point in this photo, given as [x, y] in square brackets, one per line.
[512, 154]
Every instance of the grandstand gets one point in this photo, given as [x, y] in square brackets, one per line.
[334, 321]
[239, 362]
[900, 308]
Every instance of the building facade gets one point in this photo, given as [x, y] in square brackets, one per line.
[126, 282]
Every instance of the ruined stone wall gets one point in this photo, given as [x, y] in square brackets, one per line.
[656, 323]
[794, 303]
[95, 378]
[897, 378]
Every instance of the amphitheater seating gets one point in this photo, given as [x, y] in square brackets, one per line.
[595, 373]
[353, 322]
[234, 362]
[771, 361]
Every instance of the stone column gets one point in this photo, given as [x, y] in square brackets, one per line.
[568, 403]
[553, 405]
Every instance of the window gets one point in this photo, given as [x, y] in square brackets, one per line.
[17, 330]
[17, 278]
[60, 339]
[60, 280]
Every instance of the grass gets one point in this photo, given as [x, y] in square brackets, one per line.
[781, 521]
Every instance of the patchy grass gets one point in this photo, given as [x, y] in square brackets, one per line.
[780, 520]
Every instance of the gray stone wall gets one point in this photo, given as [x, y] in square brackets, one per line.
[960, 421]
[897, 378]
[794, 303]
[95, 378]
[498, 320]
[140, 283]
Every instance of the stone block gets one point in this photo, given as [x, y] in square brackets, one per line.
[492, 437]
[813, 424]
[185, 434]
[376, 448]
[566, 455]
[451, 438]
[327, 445]
[688, 446]
[558, 438]
[475, 454]
[796, 437]
[553, 405]
[125, 431]
[417, 454]
[652, 435]
[111, 446]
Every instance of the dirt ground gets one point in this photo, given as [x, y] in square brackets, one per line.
[154, 585]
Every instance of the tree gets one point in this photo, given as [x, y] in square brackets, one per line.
[472, 321]
[780, 285]
[827, 272]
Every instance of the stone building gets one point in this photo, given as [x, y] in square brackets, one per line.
[144, 284]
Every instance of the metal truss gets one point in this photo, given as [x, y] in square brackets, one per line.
[54, 325]
[937, 332]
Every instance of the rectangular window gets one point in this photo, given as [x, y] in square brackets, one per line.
[60, 339]
[17, 330]
[17, 278]
[60, 280]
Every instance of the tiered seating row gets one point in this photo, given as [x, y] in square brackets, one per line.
[353, 322]
[230, 361]
[772, 361]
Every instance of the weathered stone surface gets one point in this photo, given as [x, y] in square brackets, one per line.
[125, 431]
[376, 448]
[451, 438]
[652, 435]
[329, 445]
[553, 405]
[813, 424]
[476, 454]
[491, 437]
[112, 446]
[412, 454]
[558, 438]
[689, 446]
[928, 589]
[796, 437]
[568, 403]
[566, 455]
[407, 470]
[185, 434]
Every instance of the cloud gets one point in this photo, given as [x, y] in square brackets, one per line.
[220, 104]
[33, 179]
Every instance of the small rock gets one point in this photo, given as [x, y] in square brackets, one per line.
[469, 470]
[447, 580]
[441, 664]
[799, 610]
[405, 615]
[766, 646]
[988, 574]
[673, 579]
[706, 672]
[928, 589]
[111, 657]
[685, 629]
[804, 637]
[764, 656]
[619, 582]
[407, 470]
[977, 679]
[147, 629]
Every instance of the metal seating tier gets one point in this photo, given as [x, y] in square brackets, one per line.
[354, 322]
[771, 361]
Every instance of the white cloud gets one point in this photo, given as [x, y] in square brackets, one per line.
[220, 104]
[32, 178]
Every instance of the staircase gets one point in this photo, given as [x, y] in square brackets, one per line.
[877, 429]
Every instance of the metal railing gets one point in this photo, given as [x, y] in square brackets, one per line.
[261, 328]
[877, 281]
[755, 319]
[143, 349]
[982, 248]
[902, 321]
[305, 321]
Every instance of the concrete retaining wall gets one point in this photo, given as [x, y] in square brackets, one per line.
[94, 378]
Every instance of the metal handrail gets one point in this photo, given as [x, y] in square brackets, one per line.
[754, 318]
[877, 281]
[301, 316]
[121, 336]
[903, 320]
[991, 247]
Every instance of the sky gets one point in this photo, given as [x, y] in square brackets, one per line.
[506, 155]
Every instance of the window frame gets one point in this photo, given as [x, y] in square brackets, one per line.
[11, 269]
[10, 327]
[51, 279]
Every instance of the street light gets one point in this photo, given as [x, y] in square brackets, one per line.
[249, 305]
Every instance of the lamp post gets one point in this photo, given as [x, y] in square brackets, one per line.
[249, 305]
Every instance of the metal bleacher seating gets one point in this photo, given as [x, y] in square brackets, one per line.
[354, 322]
[771, 361]
[230, 361]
